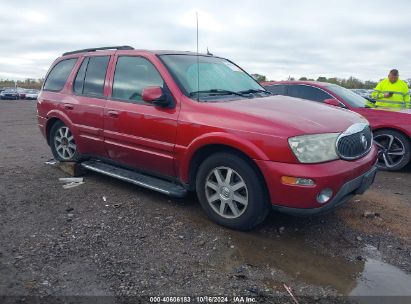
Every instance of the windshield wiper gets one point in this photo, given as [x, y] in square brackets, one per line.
[250, 91]
[218, 92]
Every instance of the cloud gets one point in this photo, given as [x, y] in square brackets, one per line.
[275, 38]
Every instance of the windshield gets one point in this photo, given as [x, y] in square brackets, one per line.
[211, 76]
[353, 99]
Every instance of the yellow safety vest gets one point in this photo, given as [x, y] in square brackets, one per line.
[400, 95]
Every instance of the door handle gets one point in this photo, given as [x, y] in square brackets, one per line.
[113, 114]
[68, 106]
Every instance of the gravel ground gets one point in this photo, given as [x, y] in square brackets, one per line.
[109, 238]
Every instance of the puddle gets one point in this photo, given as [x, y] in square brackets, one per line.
[290, 254]
[381, 279]
[371, 277]
[294, 258]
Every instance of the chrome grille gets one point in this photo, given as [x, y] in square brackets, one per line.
[355, 142]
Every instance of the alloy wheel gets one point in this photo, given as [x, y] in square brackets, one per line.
[64, 143]
[391, 150]
[226, 192]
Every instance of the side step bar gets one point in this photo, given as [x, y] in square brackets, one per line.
[138, 179]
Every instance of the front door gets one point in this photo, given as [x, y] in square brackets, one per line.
[136, 133]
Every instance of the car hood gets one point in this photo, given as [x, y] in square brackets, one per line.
[292, 116]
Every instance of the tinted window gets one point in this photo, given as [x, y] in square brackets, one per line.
[81, 74]
[277, 89]
[95, 75]
[59, 74]
[353, 99]
[132, 75]
[308, 92]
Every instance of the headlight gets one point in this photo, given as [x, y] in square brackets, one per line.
[314, 148]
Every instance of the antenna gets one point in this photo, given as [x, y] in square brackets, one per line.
[198, 64]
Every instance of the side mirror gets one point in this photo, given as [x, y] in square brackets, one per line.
[333, 102]
[155, 95]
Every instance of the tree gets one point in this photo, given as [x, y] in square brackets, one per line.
[259, 78]
[303, 78]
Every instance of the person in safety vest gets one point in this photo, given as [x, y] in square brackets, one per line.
[392, 92]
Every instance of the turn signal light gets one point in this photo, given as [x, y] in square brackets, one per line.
[297, 181]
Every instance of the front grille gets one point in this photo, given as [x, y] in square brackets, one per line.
[355, 142]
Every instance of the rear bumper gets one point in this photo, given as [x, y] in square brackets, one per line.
[353, 187]
[41, 122]
[342, 177]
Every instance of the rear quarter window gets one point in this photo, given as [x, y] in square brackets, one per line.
[57, 77]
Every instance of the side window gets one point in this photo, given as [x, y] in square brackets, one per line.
[277, 89]
[81, 74]
[91, 76]
[132, 75]
[307, 92]
[58, 75]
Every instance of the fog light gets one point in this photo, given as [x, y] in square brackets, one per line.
[324, 196]
[290, 180]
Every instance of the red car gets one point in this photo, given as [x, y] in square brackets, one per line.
[391, 128]
[178, 121]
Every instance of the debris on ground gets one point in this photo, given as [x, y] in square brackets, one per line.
[290, 293]
[71, 182]
[51, 162]
[370, 214]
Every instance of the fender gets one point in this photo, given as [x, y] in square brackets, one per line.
[184, 155]
[406, 131]
[63, 117]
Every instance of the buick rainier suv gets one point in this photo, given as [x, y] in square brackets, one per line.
[176, 122]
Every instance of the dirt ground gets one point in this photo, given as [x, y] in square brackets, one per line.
[113, 241]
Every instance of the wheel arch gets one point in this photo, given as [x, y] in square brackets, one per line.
[207, 150]
[399, 130]
[52, 118]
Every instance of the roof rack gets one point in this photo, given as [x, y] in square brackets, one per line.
[122, 47]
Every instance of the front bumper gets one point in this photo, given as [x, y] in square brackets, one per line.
[353, 187]
[341, 176]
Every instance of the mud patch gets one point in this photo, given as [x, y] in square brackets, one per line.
[394, 215]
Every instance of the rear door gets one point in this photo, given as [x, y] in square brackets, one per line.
[87, 104]
[137, 133]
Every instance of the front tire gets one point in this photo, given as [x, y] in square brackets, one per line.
[394, 150]
[231, 192]
[62, 143]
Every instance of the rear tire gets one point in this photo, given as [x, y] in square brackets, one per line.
[62, 143]
[394, 150]
[231, 192]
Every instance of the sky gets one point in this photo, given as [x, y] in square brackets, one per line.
[363, 39]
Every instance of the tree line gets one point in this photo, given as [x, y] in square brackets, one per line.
[28, 83]
[349, 83]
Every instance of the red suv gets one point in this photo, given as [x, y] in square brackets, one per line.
[178, 121]
[392, 128]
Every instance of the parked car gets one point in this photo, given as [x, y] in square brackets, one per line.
[392, 129]
[361, 92]
[9, 93]
[176, 122]
[22, 93]
[32, 94]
